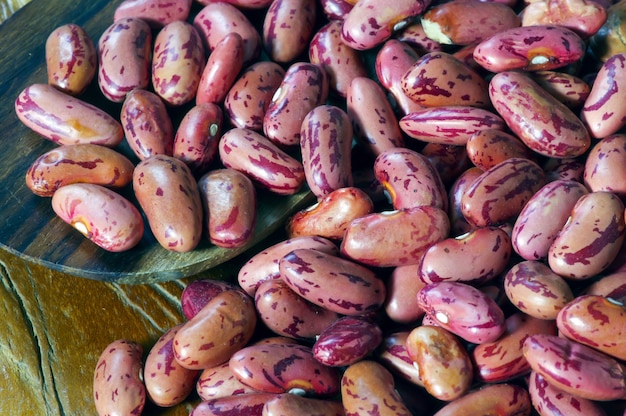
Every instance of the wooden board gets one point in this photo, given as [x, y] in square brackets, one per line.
[29, 227]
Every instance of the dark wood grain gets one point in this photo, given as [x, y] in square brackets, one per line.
[29, 228]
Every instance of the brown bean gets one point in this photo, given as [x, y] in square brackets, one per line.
[487, 148]
[402, 287]
[221, 70]
[347, 340]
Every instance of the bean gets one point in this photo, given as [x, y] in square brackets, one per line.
[242, 404]
[507, 399]
[219, 381]
[487, 148]
[157, 13]
[221, 70]
[612, 285]
[394, 356]
[288, 28]
[605, 165]
[584, 18]
[199, 292]
[402, 287]
[567, 88]
[414, 35]
[336, 9]
[449, 160]
[549, 400]
[292, 404]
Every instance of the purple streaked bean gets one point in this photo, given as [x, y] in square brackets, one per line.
[414, 35]
[491, 399]
[288, 28]
[458, 224]
[567, 88]
[293, 404]
[157, 13]
[250, 404]
[549, 400]
[219, 381]
[221, 70]
[447, 159]
[605, 166]
[487, 148]
[395, 357]
[199, 292]
[612, 285]
[336, 9]
[565, 169]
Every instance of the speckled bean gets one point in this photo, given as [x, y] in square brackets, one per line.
[402, 287]
[221, 70]
[463, 310]
[336, 9]
[88, 163]
[292, 404]
[164, 186]
[549, 400]
[263, 161]
[288, 28]
[567, 88]
[243, 4]
[199, 292]
[458, 224]
[496, 399]
[612, 285]
[117, 385]
[157, 13]
[566, 169]
[241, 404]
[605, 166]
[447, 159]
[197, 136]
[222, 327]
[395, 357]
[219, 381]
[346, 341]
[103, 216]
[487, 148]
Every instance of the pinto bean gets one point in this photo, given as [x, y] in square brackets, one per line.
[199, 292]
[219, 381]
[288, 28]
[504, 398]
[221, 70]
[292, 404]
[157, 13]
[605, 166]
[549, 400]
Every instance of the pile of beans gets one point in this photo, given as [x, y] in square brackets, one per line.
[467, 247]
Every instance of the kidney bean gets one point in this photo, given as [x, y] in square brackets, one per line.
[279, 368]
[371, 22]
[402, 287]
[199, 292]
[103, 216]
[337, 284]
[583, 17]
[217, 19]
[221, 70]
[394, 356]
[64, 119]
[605, 165]
[288, 28]
[304, 87]
[443, 363]
[502, 359]
[264, 162]
[240, 405]
[466, 23]
[229, 199]
[71, 59]
[567, 88]
[449, 124]
[595, 321]
[222, 327]
[157, 13]
[394, 238]
[564, 169]
[549, 400]
[577, 253]
[536, 290]
[612, 285]
[243, 4]
[167, 382]
[487, 148]
[147, 125]
[368, 387]
[505, 399]
[543, 216]
[219, 381]
[410, 179]
[287, 313]
[542, 122]
[347, 340]
[88, 163]
[484, 252]
[164, 186]
[197, 136]
[375, 124]
[449, 160]
[575, 368]
[531, 48]
[264, 265]
[336, 9]
[463, 310]
[117, 385]
[458, 224]
[325, 144]
[292, 404]
[124, 58]
[414, 35]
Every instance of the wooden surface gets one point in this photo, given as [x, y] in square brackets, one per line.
[30, 228]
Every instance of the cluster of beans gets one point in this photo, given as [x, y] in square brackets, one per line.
[468, 244]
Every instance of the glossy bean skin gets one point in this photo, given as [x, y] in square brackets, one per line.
[197, 136]
[304, 87]
[531, 48]
[604, 166]
[64, 119]
[326, 144]
[167, 382]
[71, 59]
[484, 252]
[536, 290]
[583, 17]
[549, 400]
[288, 28]
[439, 79]
[87, 163]
[124, 58]
[595, 321]
[410, 179]
[244, 4]
[346, 341]
[394, 356]
[497, 399]
[117, 385]
[502, 359]
[449, 124]
[612, 285]
[566, 169]
[567, 88]
[265, 264]
[221, 70]
[543, 216]
[336, 9]
[576, 368]
[332, 282]
[222, 327]
[248, 98]
[263, 161]
[242, 404]
[292, 404]
[288, 314]
[199, 292]
[487, 148]
[279, 368]
[463, 310]
[147, 125]
[449, 160]
[157, 13]
[444, 365]
[229, 199]
[219, 381]
[414, 35]
[394, 238]
[581, 256]
[330, 216]
[366, 387]
[500, 193]
[164, 186]
[103, 216]
[381, 21]
[375, 124]
[540, 120]
[458, 224]
[402, 287]
[177, 62]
